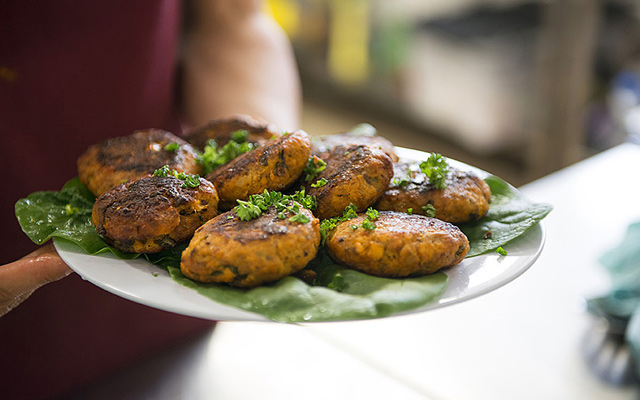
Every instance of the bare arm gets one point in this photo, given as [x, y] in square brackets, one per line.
[236, 60]
[21, 278]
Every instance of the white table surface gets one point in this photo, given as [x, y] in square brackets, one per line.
[522, 341]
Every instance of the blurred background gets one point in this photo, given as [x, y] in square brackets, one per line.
[518, 88]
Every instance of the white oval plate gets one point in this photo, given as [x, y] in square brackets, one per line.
[144, 283]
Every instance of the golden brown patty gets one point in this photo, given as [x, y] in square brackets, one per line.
[401, 245]
[114, 161]
[274, 166]
[221, 129]
[250, 253]
[323, 144]
[356, 174]
[466, 197]
[153, 213]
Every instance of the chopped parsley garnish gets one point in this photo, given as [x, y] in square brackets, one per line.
[400, 182]
[173, 146]
[164, 171]
[327, 225]
[258, 203]
[501, 251]
[319, 183]
[71, 210]
[372, 214]
[315, 165]
[214, 156]
[247, 210]
[240, 136]
[189, 181]
[403, 182]
[350, 212]
[429, 210]
[337, 283]
[300, 217]
[368, 225]
[436, 169]
[308, 202]
[409, 210]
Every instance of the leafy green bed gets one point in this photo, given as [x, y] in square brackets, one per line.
[337, 294]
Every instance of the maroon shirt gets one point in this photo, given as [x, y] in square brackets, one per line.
[73, 73]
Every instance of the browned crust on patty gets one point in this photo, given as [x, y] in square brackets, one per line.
[355, 174]
[221, 129]
[401, 245]
[152, 213]
[250, 253]
[323, 144]
[466, 197]
[117, 160]
[274, 166]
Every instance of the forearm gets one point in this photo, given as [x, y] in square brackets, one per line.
[236, 60]
[19, 279]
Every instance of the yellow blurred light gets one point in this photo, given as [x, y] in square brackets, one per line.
[286, 13]
[348, 52]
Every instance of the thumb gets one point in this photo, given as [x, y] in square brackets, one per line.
[19, 279]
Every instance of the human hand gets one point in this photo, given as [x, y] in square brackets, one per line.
[19, 279]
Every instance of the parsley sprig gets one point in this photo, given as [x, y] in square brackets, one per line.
[189, 180]
[370, 216]
[403, 182]
[327, 225]
[215, 156]
[240, 136]
[173, 146]
[319, 183]
[258, 203]
[429, 210]
[350, 212]
[436, 169]
[70, 210]
[315, 165]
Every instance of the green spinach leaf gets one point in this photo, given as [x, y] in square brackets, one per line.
[292, 300]
[511, 214]
[65, 214]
